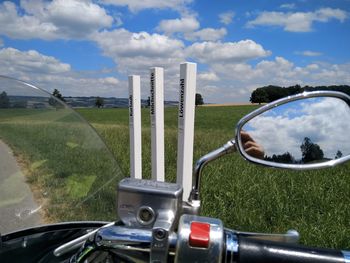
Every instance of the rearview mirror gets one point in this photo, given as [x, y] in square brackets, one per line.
[305, 131]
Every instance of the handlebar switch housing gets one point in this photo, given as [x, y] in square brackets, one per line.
[200, 239]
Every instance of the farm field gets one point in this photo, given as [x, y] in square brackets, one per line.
[68, 168]
[246, 197]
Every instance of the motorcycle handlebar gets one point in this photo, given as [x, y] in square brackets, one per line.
[238, 248]
[263, 251]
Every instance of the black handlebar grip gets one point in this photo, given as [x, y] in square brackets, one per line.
[261, 251]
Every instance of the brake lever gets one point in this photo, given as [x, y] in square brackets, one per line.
[78, 242]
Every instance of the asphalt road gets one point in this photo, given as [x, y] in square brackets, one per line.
[18, 209]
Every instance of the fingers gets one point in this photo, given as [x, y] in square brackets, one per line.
[256, 152]
[251, 147]
[254, 149]
[249, 144]
[245, 136]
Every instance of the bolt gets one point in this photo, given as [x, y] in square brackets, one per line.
[146, 215]
[160, 233]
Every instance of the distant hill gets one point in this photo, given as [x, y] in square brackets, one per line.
[112, 102]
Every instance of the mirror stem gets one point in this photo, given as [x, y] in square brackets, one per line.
[227, 148]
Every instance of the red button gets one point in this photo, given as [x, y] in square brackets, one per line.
[199, 236]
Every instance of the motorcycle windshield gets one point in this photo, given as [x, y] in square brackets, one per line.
[53, 165]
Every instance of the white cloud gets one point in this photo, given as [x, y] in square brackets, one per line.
[84, 86]
[136, 53]
[187, 27]
[1, 43]
[284, 73]
[76, 85]
[208, 52]
[72, 17]
[312, 67]
[182, 25]
[226, 18]
[325, 121]
[207, 76]
[49, 73]
[325, 14]
[280, 67]
[13, 60]
[109, 80]
[288, 6]
[238, 79]
[137, 5]
[121, 43]
[298, 21]
[52, 20]
[207, 34]
[16, 26]
[309, 53]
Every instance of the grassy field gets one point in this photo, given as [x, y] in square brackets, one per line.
[245, 196]
[64, 161]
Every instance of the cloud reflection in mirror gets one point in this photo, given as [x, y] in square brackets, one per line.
[310, 130]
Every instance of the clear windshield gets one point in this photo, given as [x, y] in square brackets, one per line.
[53, 165]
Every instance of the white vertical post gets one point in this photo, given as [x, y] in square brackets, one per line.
[188, 73]
[157, 122]
[135, 127]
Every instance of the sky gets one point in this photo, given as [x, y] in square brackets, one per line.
[88, 48]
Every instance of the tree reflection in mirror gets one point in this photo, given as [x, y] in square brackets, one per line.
[307, 131]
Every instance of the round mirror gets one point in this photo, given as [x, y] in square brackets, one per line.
[303, 133]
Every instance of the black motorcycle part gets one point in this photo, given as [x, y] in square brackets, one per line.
[37, 244]
[262, 251]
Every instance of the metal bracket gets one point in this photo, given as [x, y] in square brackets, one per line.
[162, 228]
[227, 148]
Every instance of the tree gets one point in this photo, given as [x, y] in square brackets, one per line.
[58, 95]
[99, 102]
[310, 151]
[54, 102]
[148, 102]
[271, 92]
[287, 157]
[259, 96]
[276, 92]
[199, 99]
[338, 155]
[295, 89]
[4, 100]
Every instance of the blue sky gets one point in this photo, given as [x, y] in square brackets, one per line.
[90, 47]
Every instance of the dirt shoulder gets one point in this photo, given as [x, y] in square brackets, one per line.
[18, 208]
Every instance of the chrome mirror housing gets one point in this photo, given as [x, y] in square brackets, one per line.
[305, 131]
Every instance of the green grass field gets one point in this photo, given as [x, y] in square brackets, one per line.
[64, 161]
[246, 197]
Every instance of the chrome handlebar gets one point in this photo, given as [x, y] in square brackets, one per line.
[187, 244]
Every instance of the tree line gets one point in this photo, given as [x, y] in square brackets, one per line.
[270, 93]
[310, 152]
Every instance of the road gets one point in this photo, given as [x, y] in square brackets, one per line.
[18, 209]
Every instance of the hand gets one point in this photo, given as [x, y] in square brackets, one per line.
[251, 147]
